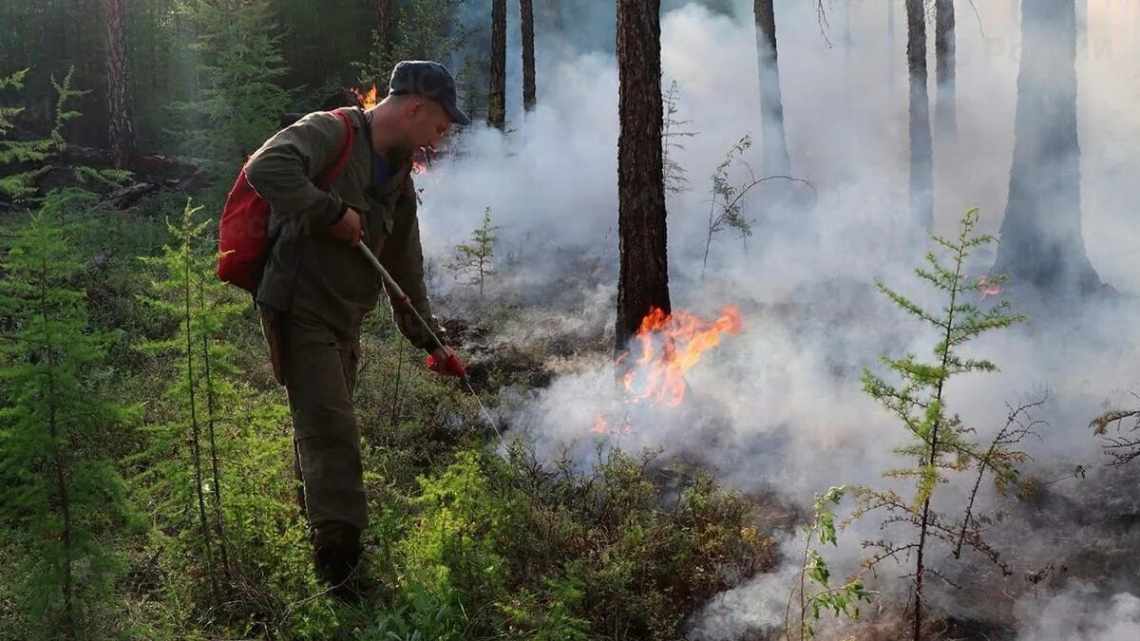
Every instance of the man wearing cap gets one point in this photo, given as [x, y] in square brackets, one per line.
[317, 287]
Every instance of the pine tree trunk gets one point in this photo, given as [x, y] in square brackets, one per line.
[120, 132]
[945, 112]
[775, 144]
[891, 45]
[497, 96]
[526, 10]
[643, 282]
[921, 151]
[384, 15]
[1041, 242]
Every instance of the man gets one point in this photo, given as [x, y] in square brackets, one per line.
[317, 286]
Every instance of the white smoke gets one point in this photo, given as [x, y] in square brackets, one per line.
[780, 406]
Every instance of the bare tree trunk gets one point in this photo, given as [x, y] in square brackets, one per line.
[120, 132]
[643, 282]
[775, 144]
[921, 152]
[526, 9]
[497, 96]
[1041, 242]
[945, 112]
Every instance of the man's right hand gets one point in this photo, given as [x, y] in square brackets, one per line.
[348, 228]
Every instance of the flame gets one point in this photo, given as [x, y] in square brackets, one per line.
[421, 159]
[988, 286]
[668, 346]
[367, 100]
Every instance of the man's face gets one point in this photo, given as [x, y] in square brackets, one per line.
[428, 122]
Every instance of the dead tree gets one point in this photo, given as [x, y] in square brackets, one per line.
[945, 67]
[497, 96]
[526, 11]
[1041, 243]
[643, 282]
[773, 140]
[921, 147]
[120, 132]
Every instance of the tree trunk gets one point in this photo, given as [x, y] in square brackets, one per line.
[921, 152]
[497, 96]
[775, 144]
[1041, 242]
[643, 282]
[891, 45]
[384, 16]
[945, 112]
[526, 11]
[120, 133]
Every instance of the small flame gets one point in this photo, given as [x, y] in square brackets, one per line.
[988, 287]
[669, 345]
[421, 159]
[370, 99]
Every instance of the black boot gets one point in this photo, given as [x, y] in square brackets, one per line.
[336, 554]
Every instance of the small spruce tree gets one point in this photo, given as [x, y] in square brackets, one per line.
[941, 442]
[476, 258]
[63, 496]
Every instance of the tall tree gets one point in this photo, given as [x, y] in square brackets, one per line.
[775, 144]
[921, 152]
[1041, 242]
[497, 96]
[643, 282]
[120, 133]
[945, 113]
[526, 9]
[383, 40]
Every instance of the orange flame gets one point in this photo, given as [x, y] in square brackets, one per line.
[988, 286]
[370, 99]
[668, 347]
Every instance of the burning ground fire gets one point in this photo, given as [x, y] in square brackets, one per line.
[667, 346]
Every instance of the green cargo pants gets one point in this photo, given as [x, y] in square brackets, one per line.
[320, 374]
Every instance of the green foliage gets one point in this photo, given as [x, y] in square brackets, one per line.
[940, 442]
[422, 30]
[239, 59]
[726, 207]
[21, 185]
[672, 132]
[476, 258]
[216, 468]
[841, 600]
[63, 496]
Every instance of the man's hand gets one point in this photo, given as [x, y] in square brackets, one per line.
[348, 228]
[445, 361]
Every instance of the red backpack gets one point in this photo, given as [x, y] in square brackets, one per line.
[243, 233]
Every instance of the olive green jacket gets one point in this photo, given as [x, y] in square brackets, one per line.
[310, 274]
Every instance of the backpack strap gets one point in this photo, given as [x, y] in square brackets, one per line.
[329, 175]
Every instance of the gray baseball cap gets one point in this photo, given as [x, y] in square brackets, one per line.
[430, 80]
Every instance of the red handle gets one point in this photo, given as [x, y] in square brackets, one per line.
[451, 366]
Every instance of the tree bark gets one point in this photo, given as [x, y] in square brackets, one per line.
[526, 11]
[497, 96]
[120, 132]
[384, 18]
[921, 151]
[1041, 242]
[775, 144]
[945, 112]
[643, 282]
